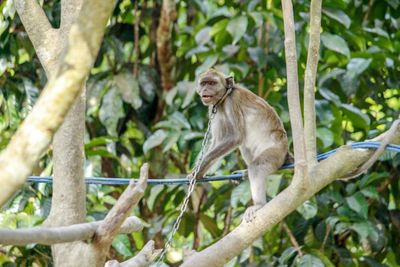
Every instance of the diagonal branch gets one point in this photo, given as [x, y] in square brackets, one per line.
[325, 172]
[64, 234]
[34, 135]
[309, 83]
[296, 120]
[129, 198]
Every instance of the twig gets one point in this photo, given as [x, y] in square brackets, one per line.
[293, 96]
[129, 198]
[327, 231]
[63, 234]
[309, 83]
[292, 238]
[227, 221]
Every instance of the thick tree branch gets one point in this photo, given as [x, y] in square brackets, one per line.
[143, 259]
[309, 83]
[44, 37]
[296, 120]
[63, 234]
[325, 172]
[129, 198]
[34, 135]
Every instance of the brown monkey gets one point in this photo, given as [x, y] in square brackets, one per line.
[243, 120]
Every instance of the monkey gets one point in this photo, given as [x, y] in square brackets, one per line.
[243, 120]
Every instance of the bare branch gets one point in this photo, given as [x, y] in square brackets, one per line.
[64, 234]
[325, 172]
[129, 198]
[309, 83]
[143, 259]
[292, 238]
[34, 135]
[69, 12]
[296, 120]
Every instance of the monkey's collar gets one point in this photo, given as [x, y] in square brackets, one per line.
[229, 88]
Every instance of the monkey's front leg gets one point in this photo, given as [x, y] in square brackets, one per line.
[218, 150]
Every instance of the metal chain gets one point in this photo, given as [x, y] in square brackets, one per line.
[191, 187]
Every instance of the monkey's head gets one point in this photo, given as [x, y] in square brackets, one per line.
[212, 86]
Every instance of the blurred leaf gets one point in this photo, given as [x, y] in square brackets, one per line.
[310, 261]
[210, 224]
[237, 28]
[357, 117]
[208, 63]
[326, 136]
[122, 245]
[335, 43]
[154, 140]
[273, 182]
[258, 56]
[128, 86]
[308, 209]
[203, 36]
[111, 111]
[359, 204]
[338, 15]
[241, 194]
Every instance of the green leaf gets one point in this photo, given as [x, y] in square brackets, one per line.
[273, 182]
[210, 224]
[326, 136]
[237, 28]
[154, 140]
[241, 194]
[356, 66]
[258, 55]
[308, 210]
[359, 204]
[122, 245]
[128, 86]
[370, 192]
[208, 63]
[203, 36]
[171, 139]
[111, 111]
[310, 261]
[335, 43]
[357, 117]
[338, 15]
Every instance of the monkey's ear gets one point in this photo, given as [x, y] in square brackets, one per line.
[229, 81]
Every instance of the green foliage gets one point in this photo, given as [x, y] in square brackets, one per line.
[131, 120]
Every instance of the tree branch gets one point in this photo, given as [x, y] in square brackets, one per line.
[325, 172]
[143, 259]
[34, 135]
[64, 234]
[296, 120]
[309, 83]
[129, 198]
[43, 36]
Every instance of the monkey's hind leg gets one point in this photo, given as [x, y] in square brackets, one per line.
[257, 177]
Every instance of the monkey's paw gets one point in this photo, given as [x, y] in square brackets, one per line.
[250, 213]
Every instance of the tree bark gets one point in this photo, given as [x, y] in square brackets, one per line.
[309, 83]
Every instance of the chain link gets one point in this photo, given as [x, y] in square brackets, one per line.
[191, 187]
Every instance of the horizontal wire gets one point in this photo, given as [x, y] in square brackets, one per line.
[184, 180]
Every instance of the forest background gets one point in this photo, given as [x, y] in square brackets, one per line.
[142, 107]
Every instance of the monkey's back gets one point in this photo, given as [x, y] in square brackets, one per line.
[264, 134]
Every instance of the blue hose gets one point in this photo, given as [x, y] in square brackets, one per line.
[184, 180]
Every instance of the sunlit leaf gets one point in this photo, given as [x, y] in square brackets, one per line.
[111, 111]
[310, 261]
[128, 86]
[122, 244]
[335, 43]
[338, 15]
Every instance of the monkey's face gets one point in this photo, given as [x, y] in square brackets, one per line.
[211, 87]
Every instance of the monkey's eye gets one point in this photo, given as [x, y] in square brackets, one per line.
[203, 83]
